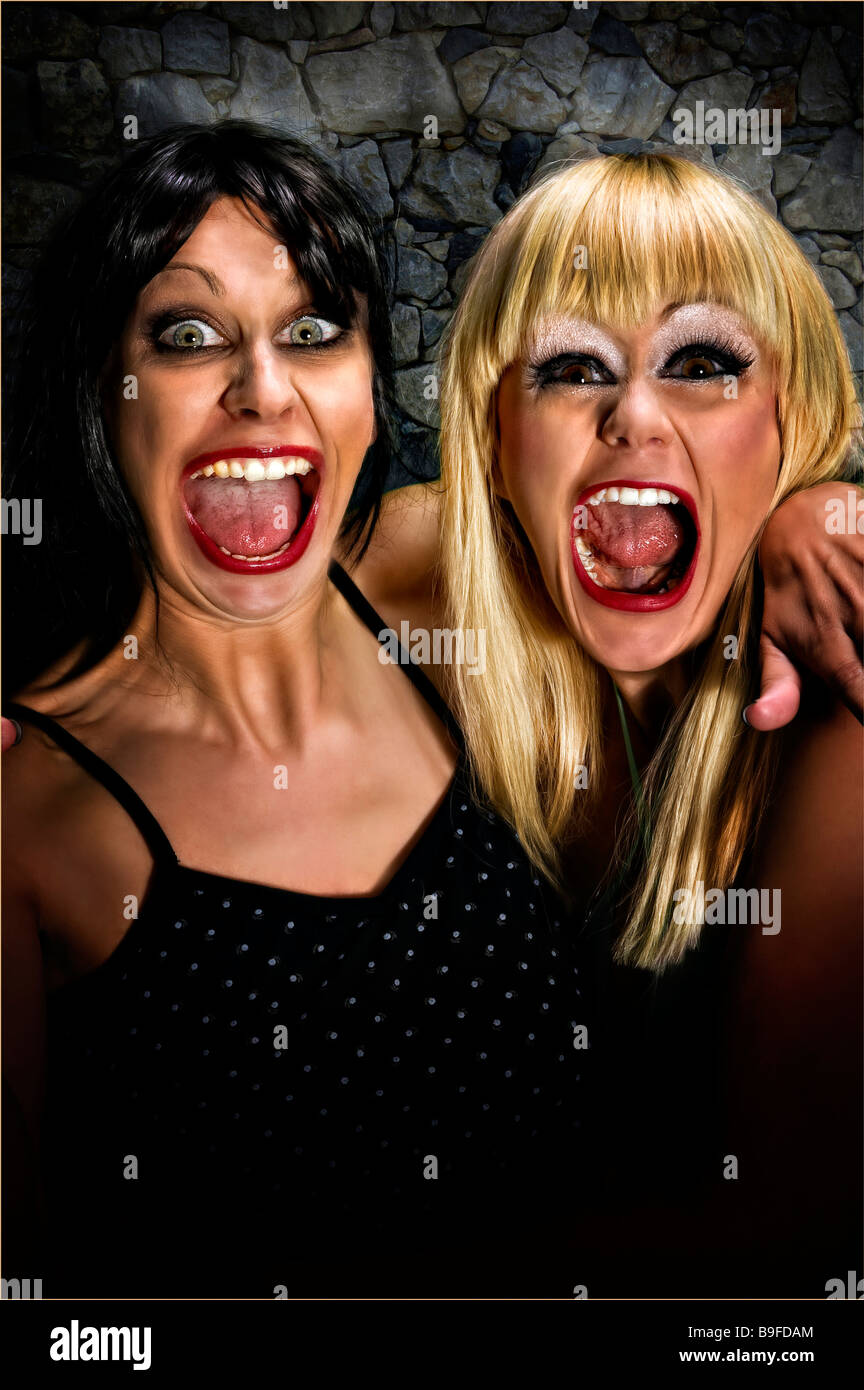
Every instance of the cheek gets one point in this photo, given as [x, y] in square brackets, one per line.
[751, 433]
[538, 451]
[742, 459]
[150, 414]
[745, 454]
[341, 403]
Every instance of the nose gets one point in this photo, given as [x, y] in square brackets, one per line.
[637, 419]
[262, 384]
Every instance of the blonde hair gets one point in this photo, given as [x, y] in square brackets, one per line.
[657, 229]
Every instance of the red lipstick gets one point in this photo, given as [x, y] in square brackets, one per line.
[632, 602]
[288, 557]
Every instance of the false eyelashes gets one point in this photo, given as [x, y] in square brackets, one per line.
[729, 357]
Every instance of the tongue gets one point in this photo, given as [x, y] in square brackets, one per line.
[631, 537]
[245, 518]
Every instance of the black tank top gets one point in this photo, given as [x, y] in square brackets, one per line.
[261, 1088]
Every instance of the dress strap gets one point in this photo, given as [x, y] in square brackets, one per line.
[157, 841]
[384, 633]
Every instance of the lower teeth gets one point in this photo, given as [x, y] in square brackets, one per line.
[255, 559]
[589, 564]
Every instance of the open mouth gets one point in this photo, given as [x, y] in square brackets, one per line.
[635, 544]
[253, 510]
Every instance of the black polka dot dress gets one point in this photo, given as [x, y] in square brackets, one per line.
[262, 1089]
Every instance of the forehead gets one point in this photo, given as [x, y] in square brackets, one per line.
[227, 220]
[227, 251]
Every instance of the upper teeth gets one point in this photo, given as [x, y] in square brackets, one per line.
[634, 496]
[254, 470]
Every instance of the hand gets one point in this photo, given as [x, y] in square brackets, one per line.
[11, 731]
[814, 603]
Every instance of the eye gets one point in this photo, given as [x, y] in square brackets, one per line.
[704, 362]
[571, 370]
[581, 373]
[188, 335]
[311, 330]
[698, 368]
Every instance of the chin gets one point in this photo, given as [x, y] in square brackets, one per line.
[637, 642]
[262, 597]
[635, 657]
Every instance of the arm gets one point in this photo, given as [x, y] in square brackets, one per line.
[23, 1083]
[398, 572]
[793, 1055]
[814, 602]
[28, 787]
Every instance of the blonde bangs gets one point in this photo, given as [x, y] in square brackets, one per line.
[653, 231]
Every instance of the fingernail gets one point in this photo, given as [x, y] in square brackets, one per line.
[19, 733]
[744, 716]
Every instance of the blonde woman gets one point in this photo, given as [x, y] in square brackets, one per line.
[642, 368]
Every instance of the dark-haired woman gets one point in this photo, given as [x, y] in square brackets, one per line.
[288, 1008]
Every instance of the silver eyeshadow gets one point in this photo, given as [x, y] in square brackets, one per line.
[692, 322]
[557, 335]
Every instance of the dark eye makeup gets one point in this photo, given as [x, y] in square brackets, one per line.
[702, 360]
[188, 340]
[723, 358]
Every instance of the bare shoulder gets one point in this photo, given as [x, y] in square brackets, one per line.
[41, 786]
[46, 793]
[398, 573]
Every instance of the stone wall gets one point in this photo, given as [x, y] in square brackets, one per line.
[510, 89]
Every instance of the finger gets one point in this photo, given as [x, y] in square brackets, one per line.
[845, 573]
[11, 733]
[842, 671]
[780, 692]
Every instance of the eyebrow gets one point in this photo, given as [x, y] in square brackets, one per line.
[212, 281]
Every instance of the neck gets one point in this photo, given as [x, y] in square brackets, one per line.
[256, 683]
[651, 696]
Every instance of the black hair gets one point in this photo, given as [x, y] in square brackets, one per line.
[82, 583]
